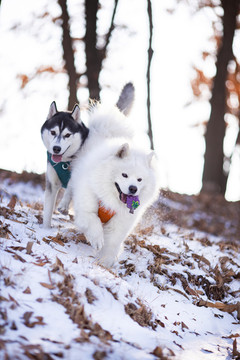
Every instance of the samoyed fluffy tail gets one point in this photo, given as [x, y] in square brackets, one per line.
[111, 121]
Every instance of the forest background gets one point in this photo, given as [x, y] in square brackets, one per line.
[182, 56]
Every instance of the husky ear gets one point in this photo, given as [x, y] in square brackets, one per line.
[52, 110]
[123, 151]
[126, 99]
[76, 113]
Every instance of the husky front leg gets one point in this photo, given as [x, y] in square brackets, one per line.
[52, 187]
[64, 203]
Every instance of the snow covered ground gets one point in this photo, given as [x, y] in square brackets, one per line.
[174, 294]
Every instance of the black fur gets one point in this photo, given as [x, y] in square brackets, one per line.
[65, 120]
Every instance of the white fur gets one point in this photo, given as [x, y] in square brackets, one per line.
[103, 159]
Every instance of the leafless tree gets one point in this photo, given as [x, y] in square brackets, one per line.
[150, 55]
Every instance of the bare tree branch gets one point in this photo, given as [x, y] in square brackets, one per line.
[150, 55]
[109, 34]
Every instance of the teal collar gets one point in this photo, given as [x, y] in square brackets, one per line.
[62, 170]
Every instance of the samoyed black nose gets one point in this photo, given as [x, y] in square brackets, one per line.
[132, 189]
[56, 149]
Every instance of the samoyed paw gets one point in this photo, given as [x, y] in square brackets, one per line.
[108, 262]
[96, 239]
[106, 258]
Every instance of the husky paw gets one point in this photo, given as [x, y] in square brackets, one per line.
[46, 223]
[63, 210]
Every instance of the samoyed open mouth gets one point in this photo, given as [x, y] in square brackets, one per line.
[132, 201]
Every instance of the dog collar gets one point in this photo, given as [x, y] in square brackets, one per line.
[62, 170]
[132, 201]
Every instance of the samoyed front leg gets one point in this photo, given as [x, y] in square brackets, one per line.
[111, 249]
[115, 232]
[91, 226]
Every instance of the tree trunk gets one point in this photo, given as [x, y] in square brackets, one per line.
[68, 55]
[150, 54]
[214, 178]
[94, 55]
[93, 60]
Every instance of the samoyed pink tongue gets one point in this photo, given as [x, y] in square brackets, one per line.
[56, 158]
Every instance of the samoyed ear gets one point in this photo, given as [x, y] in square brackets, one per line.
[123, 151]
[126, 99]
[52, 110]
[152, 159]
[76, 113]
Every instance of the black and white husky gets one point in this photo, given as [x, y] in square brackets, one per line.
[63, 134]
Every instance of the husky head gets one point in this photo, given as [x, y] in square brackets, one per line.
[63, 133]
[134, 174]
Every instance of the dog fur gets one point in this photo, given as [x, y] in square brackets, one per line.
[108, 158]
[63, 134]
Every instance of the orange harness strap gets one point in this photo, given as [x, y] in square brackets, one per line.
[104, 214]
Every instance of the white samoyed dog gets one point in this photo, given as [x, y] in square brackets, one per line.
[112, 181]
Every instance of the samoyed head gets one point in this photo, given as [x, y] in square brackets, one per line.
[134, 172]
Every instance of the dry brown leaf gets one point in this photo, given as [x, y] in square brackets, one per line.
[58, 241]
[12, 202]
[158, 352]
[201, 259]
[17, 248]
[27, 316]
[27, 290]
[146, 231]
[184, 326]
[90, 296]
[40, 263]
[48, 286]
[231, 336]
[192, 292]
[29, 247]
[221, 306]
[19, 222]
[235, 353]
[179, 291]
[18, 257]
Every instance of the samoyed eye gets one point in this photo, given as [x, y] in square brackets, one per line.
[53, 133]
[139, 179]
[67, 135]
[125, 175]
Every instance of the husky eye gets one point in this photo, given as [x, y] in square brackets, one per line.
[125, 175]
[53, 133]
[139, 179]
[67, 135]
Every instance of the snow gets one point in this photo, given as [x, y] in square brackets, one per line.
[56, 301]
